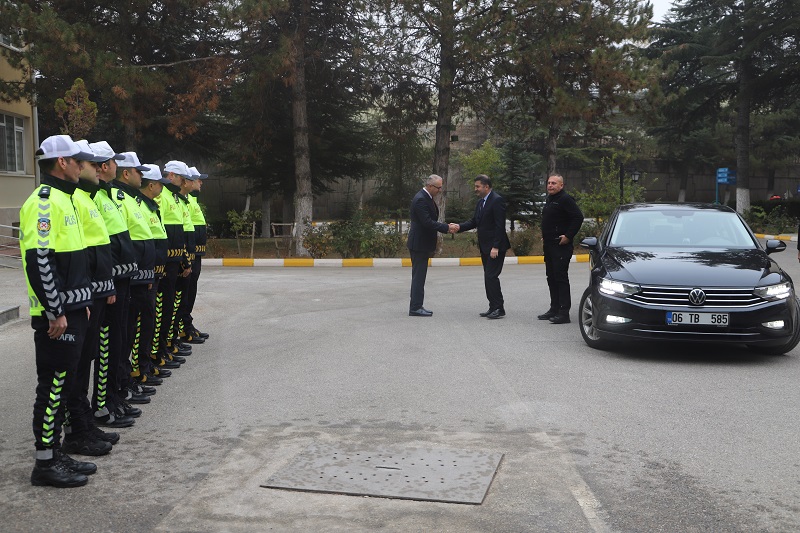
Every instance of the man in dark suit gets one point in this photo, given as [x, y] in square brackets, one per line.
[490, 219]
[422, 240]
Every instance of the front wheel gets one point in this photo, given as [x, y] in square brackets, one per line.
[586, 318]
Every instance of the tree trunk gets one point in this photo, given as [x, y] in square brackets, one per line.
[771, 183]
[130, 136]
[553, 133]
[444, 109]
[683, 173]
[743, 104]
[266, 215]
[303, 200]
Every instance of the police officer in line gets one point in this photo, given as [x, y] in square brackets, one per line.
[125, 190]
[189, 332]
[178, 265]
[182, 285]
[82, 436]
[152, 185]
[109, 409]
[59, 288]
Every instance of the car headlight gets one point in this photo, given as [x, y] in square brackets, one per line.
[618, 288]
[779, 291]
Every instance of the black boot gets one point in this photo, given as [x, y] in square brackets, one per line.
[53, 473]
[79, 467]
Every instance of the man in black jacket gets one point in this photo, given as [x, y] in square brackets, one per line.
[422, 240]
[561, 221]
[490, 219]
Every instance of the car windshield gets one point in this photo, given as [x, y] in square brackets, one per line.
[689, 228]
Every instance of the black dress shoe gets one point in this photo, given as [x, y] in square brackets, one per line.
[56, 474]
[142, 389]
[181, 352]
[420, 312]
[547, 316]
[487, 313]
[560, 319]
[160, 373]
[148, 379]
[174, 359]
[167, 363]
[497, 313]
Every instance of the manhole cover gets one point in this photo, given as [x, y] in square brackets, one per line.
[430, 474]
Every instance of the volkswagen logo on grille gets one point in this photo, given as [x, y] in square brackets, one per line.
[697, 297]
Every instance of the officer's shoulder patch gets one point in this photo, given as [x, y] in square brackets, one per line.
[44, 192]
[120, 194]
[43, 227]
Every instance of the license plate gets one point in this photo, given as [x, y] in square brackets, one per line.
[701, 319]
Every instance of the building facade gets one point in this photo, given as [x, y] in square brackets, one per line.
[18, 143]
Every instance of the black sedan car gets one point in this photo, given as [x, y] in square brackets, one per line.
[687, 272]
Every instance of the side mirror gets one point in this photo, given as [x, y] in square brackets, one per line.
[591, 243]
[775, 245]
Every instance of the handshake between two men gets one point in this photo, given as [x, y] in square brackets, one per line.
[455, 228]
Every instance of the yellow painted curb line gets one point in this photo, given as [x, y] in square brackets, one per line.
[298, 262]
[363, 262]
[781, 237]
[369, 262]
[237, 262]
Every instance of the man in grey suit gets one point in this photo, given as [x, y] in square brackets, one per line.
[422, 240]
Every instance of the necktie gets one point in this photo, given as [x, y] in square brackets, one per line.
[480, 207]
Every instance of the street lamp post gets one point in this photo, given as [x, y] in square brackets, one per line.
[635, 175]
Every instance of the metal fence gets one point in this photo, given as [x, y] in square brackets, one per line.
[10, 255]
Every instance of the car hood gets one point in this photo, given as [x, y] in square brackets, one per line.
[677, 267]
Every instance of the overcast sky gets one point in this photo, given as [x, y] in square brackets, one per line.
[660, 8]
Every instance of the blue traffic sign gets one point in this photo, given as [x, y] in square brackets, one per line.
[726, 175]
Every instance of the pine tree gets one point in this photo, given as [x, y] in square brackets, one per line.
[565, 65]
[722, 54]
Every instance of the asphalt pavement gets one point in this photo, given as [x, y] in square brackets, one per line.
[643, 438]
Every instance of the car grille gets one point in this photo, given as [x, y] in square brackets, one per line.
[679, 296]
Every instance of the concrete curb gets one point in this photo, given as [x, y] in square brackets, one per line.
[782, 237]
[8, 314]
[375, 262]
[378, 262]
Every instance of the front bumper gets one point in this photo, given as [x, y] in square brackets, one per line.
[648, 322]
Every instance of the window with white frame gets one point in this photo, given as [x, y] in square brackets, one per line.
[12, 142]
